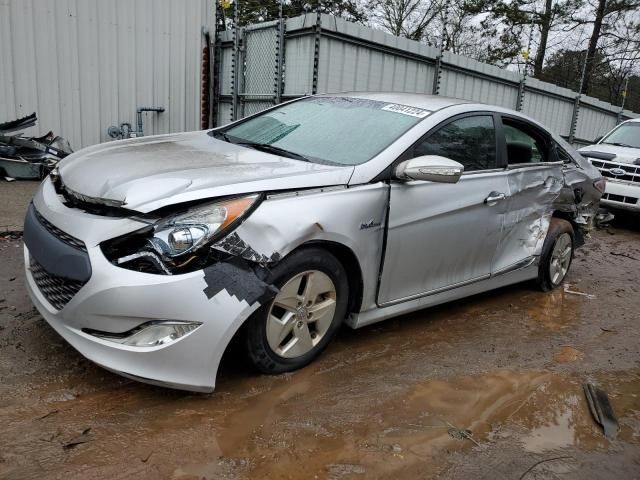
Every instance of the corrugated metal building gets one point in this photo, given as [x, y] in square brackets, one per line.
[84, 65]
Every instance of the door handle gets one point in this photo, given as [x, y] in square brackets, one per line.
[494, 197]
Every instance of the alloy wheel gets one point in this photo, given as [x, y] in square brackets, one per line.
[560, 258]
[301, 314]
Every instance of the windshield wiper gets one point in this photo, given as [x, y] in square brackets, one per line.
[620, 144]
[224, 136]
[266, 147]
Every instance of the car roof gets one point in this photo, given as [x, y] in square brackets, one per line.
[433, 103]
[418, 100]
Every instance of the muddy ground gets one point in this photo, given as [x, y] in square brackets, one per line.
[14, 197]
[389, 401]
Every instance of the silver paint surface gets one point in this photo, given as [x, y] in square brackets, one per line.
[416, 243]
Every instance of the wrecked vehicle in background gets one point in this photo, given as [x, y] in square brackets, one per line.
[149, 255]
[617, 156]
[29, 158]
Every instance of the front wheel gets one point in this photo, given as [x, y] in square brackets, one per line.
[298, 324]
[557, 254]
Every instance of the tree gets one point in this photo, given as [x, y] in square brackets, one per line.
[405, 18]
[616, 31]
[258, 11]
[607, 77]
[461, 33]
[512, 22]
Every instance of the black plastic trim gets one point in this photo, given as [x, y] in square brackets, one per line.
[54, 255]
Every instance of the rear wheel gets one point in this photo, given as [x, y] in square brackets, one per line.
[298, 324]
[557, 254]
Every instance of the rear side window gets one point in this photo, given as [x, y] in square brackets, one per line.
[470, 141]
[524, 144]
[561, 155]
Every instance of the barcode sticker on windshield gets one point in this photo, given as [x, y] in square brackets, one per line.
[405, 110]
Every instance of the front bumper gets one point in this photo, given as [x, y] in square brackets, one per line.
[115, 300]
[621, 195]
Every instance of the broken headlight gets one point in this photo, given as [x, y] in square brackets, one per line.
[175, 243]
[185, 232]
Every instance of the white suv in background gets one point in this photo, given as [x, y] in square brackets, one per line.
[617, 156]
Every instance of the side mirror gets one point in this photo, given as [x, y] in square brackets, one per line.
[432, 168]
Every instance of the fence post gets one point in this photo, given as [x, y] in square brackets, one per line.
[234, 65]
[437, 74]
[574, 119]
[522, 84]
[278, 81]
[316, 52]
[215, 82]
[521, 93]
[624, 97]
[576, 105]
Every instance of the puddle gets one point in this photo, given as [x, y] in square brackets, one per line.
[554, 311]
[312, 424]
[567, 354]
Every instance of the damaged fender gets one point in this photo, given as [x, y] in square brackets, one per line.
[284, 222]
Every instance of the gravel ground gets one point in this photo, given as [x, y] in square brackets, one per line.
[489, 387]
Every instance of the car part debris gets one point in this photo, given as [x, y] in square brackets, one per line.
[29, 158]
[84, 437]
[460, 434]
[622, 254]
[541, 462]
[601, 410]
[603, 217]
[19, 123]
[573, 292]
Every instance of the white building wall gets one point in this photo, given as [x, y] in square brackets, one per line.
[84, 65]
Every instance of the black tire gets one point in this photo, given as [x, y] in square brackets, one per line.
[259, 352]
[557, 228]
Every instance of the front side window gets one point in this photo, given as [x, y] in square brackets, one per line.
[333, 130]
[626, 135]
[523, 144]
[470, 141]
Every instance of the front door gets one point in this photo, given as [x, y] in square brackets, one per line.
[445, 235]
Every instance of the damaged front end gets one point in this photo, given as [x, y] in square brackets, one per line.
[179, 241]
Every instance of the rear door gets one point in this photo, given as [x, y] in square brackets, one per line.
[445, 235]
[535, 180]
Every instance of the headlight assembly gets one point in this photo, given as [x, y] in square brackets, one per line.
[176, 243]
[185, 232]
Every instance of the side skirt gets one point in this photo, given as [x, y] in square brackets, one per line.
[510, 277]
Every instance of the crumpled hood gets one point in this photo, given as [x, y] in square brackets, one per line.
[622, 154]
[151, 172]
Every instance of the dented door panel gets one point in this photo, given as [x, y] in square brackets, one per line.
[532, 193]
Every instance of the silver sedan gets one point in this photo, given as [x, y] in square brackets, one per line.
[149, 255]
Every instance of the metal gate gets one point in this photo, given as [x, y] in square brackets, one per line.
[249, 70]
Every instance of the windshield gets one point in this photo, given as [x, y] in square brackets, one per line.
[333, 130]
[626, 135]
